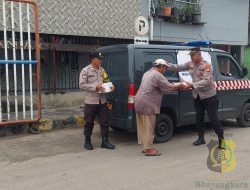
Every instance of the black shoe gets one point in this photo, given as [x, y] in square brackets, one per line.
[87, 144]
[222, 144]
[106, 144]
[199, 142]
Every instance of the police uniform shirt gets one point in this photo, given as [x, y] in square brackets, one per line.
[202, 75]
[88, 80]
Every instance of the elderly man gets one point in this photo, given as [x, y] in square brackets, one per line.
[148, 102]
[204, 93]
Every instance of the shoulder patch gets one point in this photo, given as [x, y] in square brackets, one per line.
[84, 76]
[86, 68]
[84, 72]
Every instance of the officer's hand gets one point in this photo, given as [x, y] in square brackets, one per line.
[99, 88]
[185, 85]
[112, 89]
[182, 85]
[188, 85]
[178, 86]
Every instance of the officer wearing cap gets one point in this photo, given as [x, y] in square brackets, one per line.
[90, 80]
[204, 93]
[148, 103]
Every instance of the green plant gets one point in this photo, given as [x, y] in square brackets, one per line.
[161, 3]
[182, 10]
[165, 3]
[188, 9]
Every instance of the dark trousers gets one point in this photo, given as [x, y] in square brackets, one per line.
[210, 106]
[90, 112]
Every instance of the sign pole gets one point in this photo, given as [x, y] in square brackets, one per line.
[151, 20]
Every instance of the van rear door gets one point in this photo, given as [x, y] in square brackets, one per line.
[116, 65]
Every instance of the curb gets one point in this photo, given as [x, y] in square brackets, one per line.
[46, 124]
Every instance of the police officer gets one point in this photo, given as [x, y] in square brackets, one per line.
[91, 79]
[204, 93]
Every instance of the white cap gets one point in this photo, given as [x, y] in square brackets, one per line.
[161, 62]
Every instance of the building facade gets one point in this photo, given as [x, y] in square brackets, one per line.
[95, 18]
[71, 29]
[223, 22]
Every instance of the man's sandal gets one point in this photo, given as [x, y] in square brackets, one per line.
[152, 152]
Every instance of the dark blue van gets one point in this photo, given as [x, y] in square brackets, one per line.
[126, 65]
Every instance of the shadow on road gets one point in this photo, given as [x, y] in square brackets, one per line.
[124, 137]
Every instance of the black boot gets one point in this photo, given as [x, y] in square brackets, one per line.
[87, 143]
[105, 143]
[201, 139]
[222, 144]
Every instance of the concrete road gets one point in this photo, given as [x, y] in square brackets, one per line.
[57, 161]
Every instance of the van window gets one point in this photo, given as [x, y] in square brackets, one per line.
[116, 64]
[228, 67]
[149, 58]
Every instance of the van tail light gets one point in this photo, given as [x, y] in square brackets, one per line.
[131, 96]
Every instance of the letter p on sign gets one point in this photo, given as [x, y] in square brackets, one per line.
[141, 26]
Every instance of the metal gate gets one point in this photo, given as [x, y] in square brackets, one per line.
[19, 24]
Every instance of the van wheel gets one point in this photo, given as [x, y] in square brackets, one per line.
[244, 120]
[164, 128]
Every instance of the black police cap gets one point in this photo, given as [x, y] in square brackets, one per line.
[97, 55]
[192, 51]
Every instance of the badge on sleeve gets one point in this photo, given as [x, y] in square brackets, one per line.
[84, 74]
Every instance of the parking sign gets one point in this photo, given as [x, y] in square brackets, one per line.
[141, 26]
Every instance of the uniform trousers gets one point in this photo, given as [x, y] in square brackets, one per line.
[90, 112]
[209, 105]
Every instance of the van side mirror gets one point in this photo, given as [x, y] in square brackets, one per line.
[244, 72]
